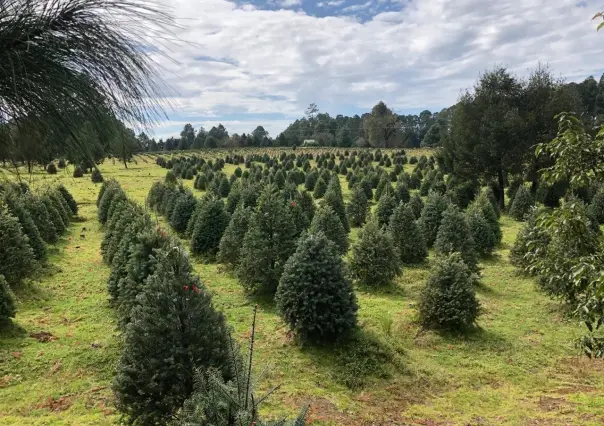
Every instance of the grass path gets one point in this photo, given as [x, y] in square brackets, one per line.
[519, 368]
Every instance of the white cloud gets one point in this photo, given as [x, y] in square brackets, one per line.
[289, 3]
[277, 62]
[357, 7]
[333, 3]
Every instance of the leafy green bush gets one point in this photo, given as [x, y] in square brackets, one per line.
[523, 202]
[597, 206]
[7, 301]
[96, 176]
[448, 300]
[16, 256]
[174, 333]
[210, 225]
[454, 236]
[431, 216]
[407, 235]
[232, 239]
[78, 172]
[51, 169]
[529, 233]
[315, 297]
[375, 260]
[358, 207]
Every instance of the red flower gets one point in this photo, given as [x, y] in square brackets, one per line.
[186, 287]
[195, 289]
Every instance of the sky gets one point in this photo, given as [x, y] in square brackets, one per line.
[262, 62]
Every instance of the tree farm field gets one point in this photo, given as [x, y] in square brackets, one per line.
[519, 366]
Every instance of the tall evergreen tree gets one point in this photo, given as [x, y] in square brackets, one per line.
[230, 245]
[326, 221]
[454, 236]
[358, 207]
[431, 216]
[210, 225]
[333, 198]
[407, 235]
[385, 208]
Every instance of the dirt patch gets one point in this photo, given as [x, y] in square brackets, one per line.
[548, 403]
[61, 403]
[43, 336]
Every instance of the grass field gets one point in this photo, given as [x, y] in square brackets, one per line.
[520, 367]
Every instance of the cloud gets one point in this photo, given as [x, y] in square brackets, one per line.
[248, 66]
[289, 3]
[357, 7]
[333, 3]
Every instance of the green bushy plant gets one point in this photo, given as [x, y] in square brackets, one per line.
[16, 256]
[523, 202]
[96, 176]
[232, 239]
[326, 221]
[8, 307]
[407, 235]
[385, 208]
[182, 212]
[432, 214]
[454, 236]
[358, 207]
[210, 225]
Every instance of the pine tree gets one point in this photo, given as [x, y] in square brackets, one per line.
[315, 297]
[224, 187]
[16, 256]
[30, 229]
[96, 176]
[407, 235]
[358, 207]
[299, 216]
[320, 188]
[232, 239]
[485, 207]
[482, 233]
[210, 224]
[375, 260]
[183, 210]
[385, 208]
[520, 253]
[431, 216]
[279, 179]
[108, 191]
[175, 331]
[41, 217]
[402, 193]
[307, 204]
[7, 301]
[61, 206]
[73, 205]
[523, 202]
[596, 207]
[78, 172]
[326, 221]
[448, 300]
[417, 205]
[454, 236]
[55, 216]
[310, 181]
[267, 244]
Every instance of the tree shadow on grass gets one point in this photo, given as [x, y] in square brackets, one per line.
[477, 339]
[11, 330]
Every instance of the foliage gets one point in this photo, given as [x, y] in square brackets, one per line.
[232, 239]
[96, 176]
[385, 208]
[315, 297]
[375, 260]
[78, 172]
[182, 212]
[357, 209]
[320, 188]
[455, 236]
[448, 300]
[210, 225]
[71, 202]
[16, 256]
[523, 202]
[325, 220]
[596, 207]
[174, 332]
[51, 169]
[333, 198]
[417, 205]
[431, 217]
[407, 235]
[528, 240]
[481, 232]
[7, 301]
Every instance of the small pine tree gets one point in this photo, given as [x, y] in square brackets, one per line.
[320, 188]
[375, 260]
[16, 256]
[7, 301]
[170, 178]
[51, 169]
[96, 176]
[310, 181]
[30, 229]
[523, 202]
[448, 300]
[483, 206]
[224, 187]
[431, 216]
[315, 297]
[61, 206]
[417, 205]
[78, 172]
[268, 243]
[71, 202]
[307, 204]
[482, 233]
[407, 235]
[402, 193]
[210, 225]
[326, 221]
[232, 239]
[385, 208]
[182, 212]
[41, 217]
[521, 253]
[175, 332]
[280, 179]
[454, 236]
[596, 207]
[55, 215]
[358, 207]
[333, 198]
[111, 189]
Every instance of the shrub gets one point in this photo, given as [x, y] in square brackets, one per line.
[448, 300]
[7, 301]
[267, 244]
[402, 193]
[34, 239]
[326, 221]
[61, 206]
[358, 207]
[596, 207]
[333, 198]
[482, 233]
[111, 189]
[16, 256]
[407, 236]
[523, 202]
[307, 204]
[41, 217]
[483, 205]
[320, 188]
[175, 332]
[201, 182]
[385, 208]
[454, 236]
[431, 216]
[209, 227]
[417, 205]
[71, 202]
[182, 212]
[375, 260]
[232, 239]
[55, 215]
[96, 176]
[365, 183]
[170, 178]
[78, 172]
[529, 233]
[310, 181]
[51, 169]
[315, 297]
[224, 187]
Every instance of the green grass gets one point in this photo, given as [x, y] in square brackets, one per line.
[519, 367]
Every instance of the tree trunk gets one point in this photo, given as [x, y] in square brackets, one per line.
[501, 186]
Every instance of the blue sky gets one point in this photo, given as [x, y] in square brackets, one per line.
[258, 62]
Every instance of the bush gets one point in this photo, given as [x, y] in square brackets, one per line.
[34, 239]
[310, 181]
[267, 244]
[385, 208]
[96, 176]
[51, 169]
[454, 236]
[320, 188]
[315, 297]
[175, 332]
[407, 235]
[55, 215]
[209, 227]
[78, 172]
[358, 207]
[523, 202]
[61, 164]
[111, 189]
[232, 239]
[170, 178]
[41, 217]
[484, 205]
[375, 260]
[224, 187]
[326, 221]
[333, 198]
[182, 212]
[16, 256]
[402, 193]
[417, 205]
[71, 202]
[7, 301]
[529, 233]
[448, 300]
[482, 233]
[596, 207]
[431, 216]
